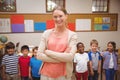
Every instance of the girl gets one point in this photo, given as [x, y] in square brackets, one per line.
[110, 60]
[35, 65]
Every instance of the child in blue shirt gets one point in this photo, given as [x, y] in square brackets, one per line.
[35, 65]
[95, 61]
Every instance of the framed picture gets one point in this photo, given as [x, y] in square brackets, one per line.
[50, 4]
[7, 5]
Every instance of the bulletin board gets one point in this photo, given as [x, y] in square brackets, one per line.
[25, 23]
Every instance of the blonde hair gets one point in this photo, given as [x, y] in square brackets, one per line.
[94, 41]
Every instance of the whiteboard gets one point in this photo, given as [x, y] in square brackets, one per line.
[83, 24]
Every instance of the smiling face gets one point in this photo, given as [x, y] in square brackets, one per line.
[35, 52]
[94, 47]
[110, 47]
[10, 51]
[25, 52]
[80, 48]
[59, 18]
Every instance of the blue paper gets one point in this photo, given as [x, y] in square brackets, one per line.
[105, 27]
[39, 26]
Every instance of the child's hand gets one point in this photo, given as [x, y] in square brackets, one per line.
[4, 77]
[92, 73]
[99, 71]
[19, 74]
[101, 54]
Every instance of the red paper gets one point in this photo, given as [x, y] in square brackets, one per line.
[71, 26]
[17, 19]
[50, 24]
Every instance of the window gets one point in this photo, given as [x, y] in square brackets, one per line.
[100, 6]
[7, 5]
[50, 4]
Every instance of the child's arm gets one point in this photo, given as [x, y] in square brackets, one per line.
[3, 72]
[19, 70]
[19, 73]
[99, 66]
[91, 69]
[74, 67]
[30, 76]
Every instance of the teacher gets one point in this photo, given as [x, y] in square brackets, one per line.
[57, 48]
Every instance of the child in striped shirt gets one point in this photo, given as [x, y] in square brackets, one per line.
[10, 62]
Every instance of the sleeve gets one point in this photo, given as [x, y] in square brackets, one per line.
[3, 60]
[43, 47]
[90, 57]
[66, 56]
[103, 54]
[87, 56]
[74, 60]
[100, 58]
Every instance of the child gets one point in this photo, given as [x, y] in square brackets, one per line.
[80, 62]
[24, 63]
[110, 60]
[10, 62]
[35, 65]
[95, 61]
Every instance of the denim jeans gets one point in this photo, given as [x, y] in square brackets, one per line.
[109, 73]
[94, 77]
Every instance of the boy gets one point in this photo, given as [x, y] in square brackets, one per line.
[95, 61]
[10, 62]
[24, 63]
[80, 62]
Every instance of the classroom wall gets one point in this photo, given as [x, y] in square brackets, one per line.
[38, 6]
[78, 6]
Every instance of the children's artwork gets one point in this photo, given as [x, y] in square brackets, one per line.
[98, 27]
[5, 25]
[106, 19]
[106, 27]
[83, 24]
[29, 25]
[98, 20]
[39, 26]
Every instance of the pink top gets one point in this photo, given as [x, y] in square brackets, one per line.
[55, 70]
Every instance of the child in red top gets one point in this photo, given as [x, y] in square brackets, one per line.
[24, 63]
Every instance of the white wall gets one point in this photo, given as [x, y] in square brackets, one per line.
[72, 6]
[31, 6]
[38, 6]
